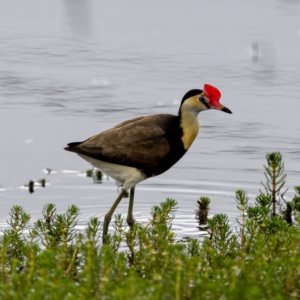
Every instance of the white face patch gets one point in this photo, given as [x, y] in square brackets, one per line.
[195, 105]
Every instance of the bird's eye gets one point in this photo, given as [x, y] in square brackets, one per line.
[202, 99]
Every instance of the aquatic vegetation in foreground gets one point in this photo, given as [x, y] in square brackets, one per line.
[259, 260]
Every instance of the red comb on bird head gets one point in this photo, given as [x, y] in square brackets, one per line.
[211, 92]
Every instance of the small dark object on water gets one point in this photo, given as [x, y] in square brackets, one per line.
[97, 176]
[31, 186]
[89, 173]
[201, 212]
[42, 182]
[126, 194]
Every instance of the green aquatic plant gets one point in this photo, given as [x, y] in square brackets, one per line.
[89, 173]
[97, 176]
[14, 236]
[201, 213]
[297, 190]
[146, 262]
[241, 199]
[296, 200]
[275, 177]
[287, 213]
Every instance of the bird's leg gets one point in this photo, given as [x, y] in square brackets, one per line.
[130, 219]
[107, 217]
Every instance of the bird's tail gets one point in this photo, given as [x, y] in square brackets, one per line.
[72, 147]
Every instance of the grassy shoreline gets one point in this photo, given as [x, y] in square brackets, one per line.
[259, 260]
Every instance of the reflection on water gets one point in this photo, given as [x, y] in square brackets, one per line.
[79, 17]
[76, 68]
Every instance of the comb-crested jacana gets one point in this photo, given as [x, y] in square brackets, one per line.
[146, 146]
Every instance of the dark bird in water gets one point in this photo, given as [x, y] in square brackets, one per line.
[146, 146]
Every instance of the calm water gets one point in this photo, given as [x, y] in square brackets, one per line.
[70, 69]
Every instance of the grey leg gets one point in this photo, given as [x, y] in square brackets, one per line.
[130, 219]
[107, 217]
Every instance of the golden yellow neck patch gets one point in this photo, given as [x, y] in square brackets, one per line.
[190, 127]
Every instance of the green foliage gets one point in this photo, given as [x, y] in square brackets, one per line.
[53, 260]
[202, 210]
[274, 176]
[14, 237]
[297, 190]
[97, 176]
[89, 173]
[146, 262]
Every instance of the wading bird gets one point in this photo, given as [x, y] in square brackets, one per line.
[146, 146]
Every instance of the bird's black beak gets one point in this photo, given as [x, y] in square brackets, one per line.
[217, 105]
[225, 109]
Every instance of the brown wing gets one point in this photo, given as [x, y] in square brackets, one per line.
[140, 142]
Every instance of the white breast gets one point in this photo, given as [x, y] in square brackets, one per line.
[125, 176]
